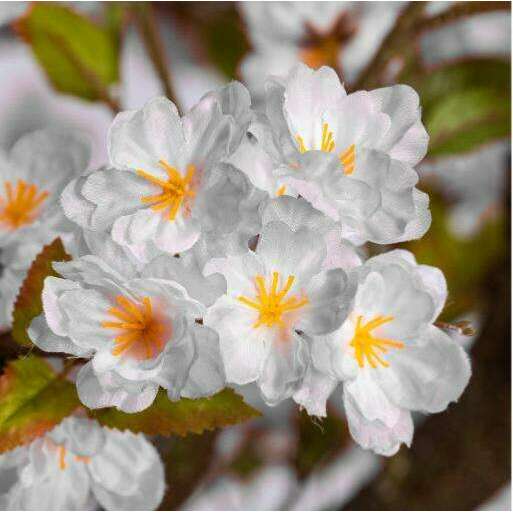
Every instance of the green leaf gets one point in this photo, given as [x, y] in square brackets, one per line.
[28, 303]
[319, 440]
[33, 399]
[165, 417]
[78, 56]
[465, 104]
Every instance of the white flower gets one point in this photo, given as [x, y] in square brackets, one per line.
[389, 355]
[351, 155]
[32, 177]
[272, 294]
[344, 35]
[140, 333]
[160, 193]
[80, 465]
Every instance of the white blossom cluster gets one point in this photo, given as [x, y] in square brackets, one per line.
[225, 246]
[80, 466]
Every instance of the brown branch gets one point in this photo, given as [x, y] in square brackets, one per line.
[396, 42]
[458, 11]
[146, 23]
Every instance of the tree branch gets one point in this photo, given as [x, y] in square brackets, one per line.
[145, 20]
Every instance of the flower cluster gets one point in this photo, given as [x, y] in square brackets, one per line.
[80, 466]
[226, 246]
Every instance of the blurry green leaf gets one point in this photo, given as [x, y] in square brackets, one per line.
[319, 440]
[28, 303]
[165, 417]
[226, 44]
[79, 57]
[465, 104]
[33, 399]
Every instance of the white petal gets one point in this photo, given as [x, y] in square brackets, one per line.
[428, 375]
[53, 290]
[115, 193]
[128, 474]
[139, 139]
[298, 254]
[407, 139]
[206, 376]
[283, 370]
[375, 435]
[41, 335]
[434, 280]
[315, 390]
[244, 349]
[186, 271]
[330, 296]
[108, 390]
[50, 158]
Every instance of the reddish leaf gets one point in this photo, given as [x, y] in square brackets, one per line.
[28, 304]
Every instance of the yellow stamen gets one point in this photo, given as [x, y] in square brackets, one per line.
[62, 457]
[142, 335]
[281, 191]
[327, 141]
[366, 345]
[176, 190]
[347, 159]
[270, 304]
[20, 206]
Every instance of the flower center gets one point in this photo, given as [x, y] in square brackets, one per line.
[367, 345]
[323, 53]
[142, 335]
[272, 304]
[175, 191]
[347, 157]
[62, 454]
[21, 204]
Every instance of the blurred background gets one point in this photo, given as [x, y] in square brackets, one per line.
[76, 64]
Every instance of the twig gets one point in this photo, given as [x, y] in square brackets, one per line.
[148, 28]
[458, 11]
[396, 42]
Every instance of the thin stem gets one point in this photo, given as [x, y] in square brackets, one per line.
[458, 11]
[145, 19]
[395, 43]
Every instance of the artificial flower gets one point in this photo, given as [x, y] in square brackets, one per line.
[388, 353]
[32, 177]
[351, 155]
[273, 294]
[138, 333]
[165, 176]
[79, 466]
[343, 35]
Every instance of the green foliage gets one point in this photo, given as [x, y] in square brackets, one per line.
[28, 303]
[465, 104]
[33, 399]
[78, 56]
[165, 417]
[319, 441]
